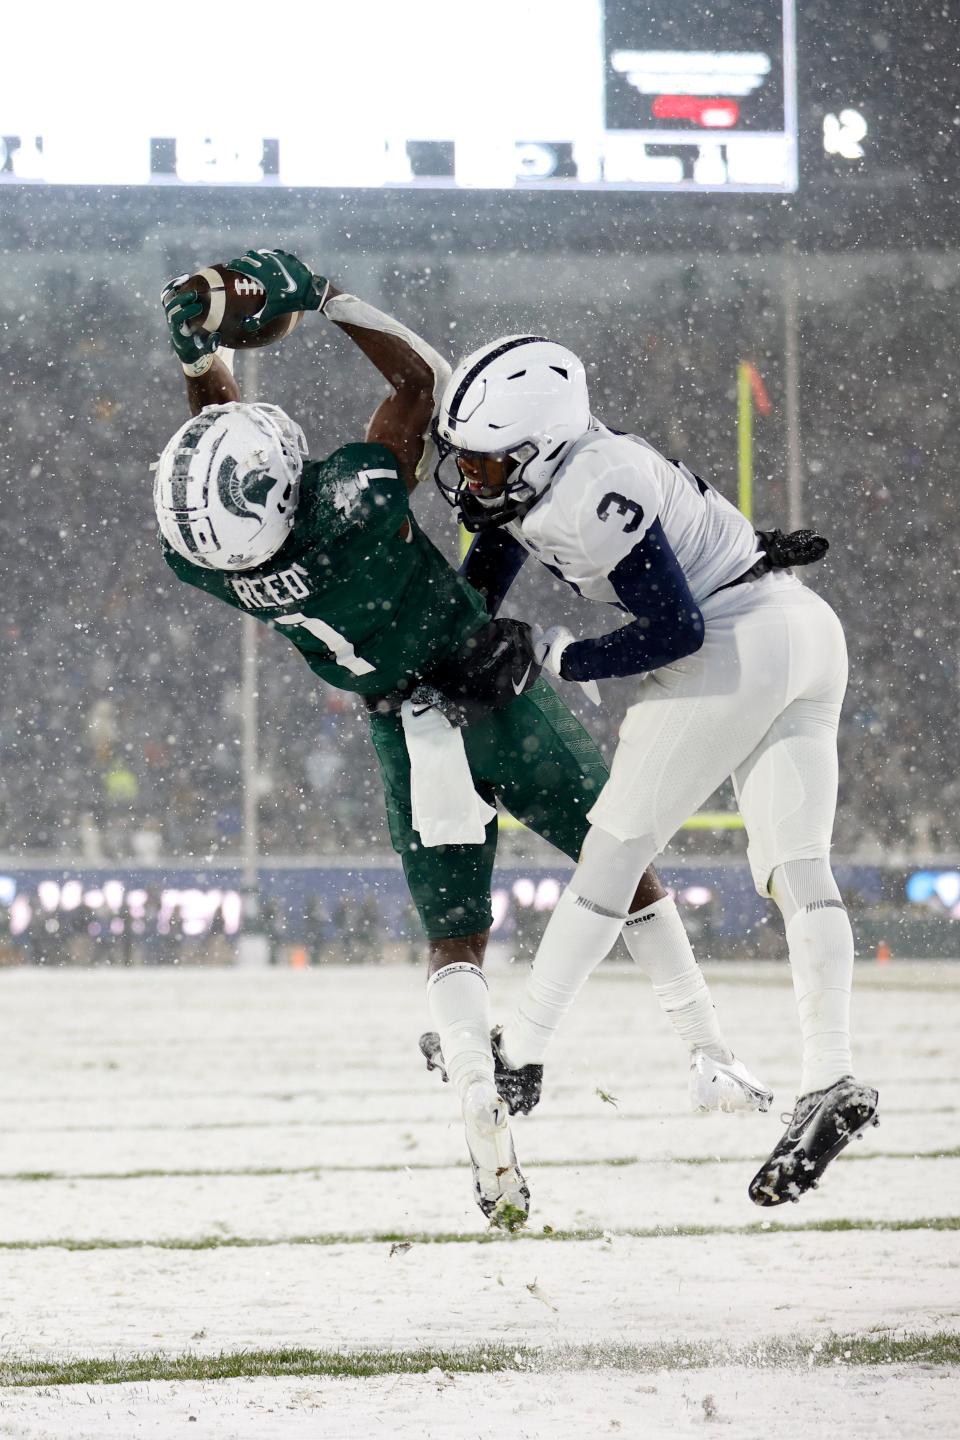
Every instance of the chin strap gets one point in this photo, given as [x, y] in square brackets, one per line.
[349, 310]
[477, 516]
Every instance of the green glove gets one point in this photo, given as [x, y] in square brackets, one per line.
[290, 285]
[194, 349]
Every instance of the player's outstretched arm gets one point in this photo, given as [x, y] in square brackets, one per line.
[215, 386]
[414, 369]
[209, 377]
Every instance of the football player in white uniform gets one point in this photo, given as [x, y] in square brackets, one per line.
[744, 671]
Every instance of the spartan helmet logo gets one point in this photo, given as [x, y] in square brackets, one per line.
[238, 492]
[228, 483]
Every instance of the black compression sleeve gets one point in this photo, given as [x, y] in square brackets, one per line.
[493, 562]
[667, 626]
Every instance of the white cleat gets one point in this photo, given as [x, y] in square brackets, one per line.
[499, 1186]
[718, 1085]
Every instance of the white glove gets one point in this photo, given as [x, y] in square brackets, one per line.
[549, 645]
[548, 648]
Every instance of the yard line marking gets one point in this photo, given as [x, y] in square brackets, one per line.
[941, 1347]
[489, 1237]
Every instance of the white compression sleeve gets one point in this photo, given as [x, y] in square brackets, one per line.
[459, 1006]
[820, 943]
[582, 930]
[657, 941]
[574, 942]
[349, 310]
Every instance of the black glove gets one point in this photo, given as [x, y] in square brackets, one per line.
[800, 547]
[493, 666]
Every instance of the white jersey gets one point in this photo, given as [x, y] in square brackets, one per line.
[605, 497]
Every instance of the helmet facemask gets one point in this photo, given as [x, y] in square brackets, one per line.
[521, 401]
[482, 504]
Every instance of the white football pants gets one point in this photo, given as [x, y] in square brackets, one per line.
[759, 701]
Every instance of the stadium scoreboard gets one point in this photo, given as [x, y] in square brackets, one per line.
[512, 94]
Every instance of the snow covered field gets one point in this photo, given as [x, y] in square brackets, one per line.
[204, 1163]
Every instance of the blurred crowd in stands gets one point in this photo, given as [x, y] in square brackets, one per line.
[149, 927]
[120, 712]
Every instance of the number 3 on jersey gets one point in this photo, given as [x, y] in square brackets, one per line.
[621, 506]
[343, 652]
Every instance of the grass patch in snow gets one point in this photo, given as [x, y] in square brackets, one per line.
[937, 1348]
[487, 1237]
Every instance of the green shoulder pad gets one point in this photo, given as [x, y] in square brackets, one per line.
[357, 486]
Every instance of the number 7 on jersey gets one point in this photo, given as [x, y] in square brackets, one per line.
[343, 652]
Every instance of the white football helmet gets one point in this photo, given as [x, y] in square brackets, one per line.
[520, 399]
[227, 485]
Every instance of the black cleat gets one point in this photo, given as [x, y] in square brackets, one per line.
[823, 1123]
[430, 1048]
[519, 1089]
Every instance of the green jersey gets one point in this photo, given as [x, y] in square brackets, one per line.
[357, 587]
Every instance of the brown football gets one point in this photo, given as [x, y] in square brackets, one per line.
[228, 298]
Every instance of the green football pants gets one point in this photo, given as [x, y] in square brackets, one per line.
[534, 757]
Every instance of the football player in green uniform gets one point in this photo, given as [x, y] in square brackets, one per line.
[330, 553]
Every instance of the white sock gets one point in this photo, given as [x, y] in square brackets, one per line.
[820, 943]
[578, 937]
[656, 939]
[459, 1006]
[821, 958]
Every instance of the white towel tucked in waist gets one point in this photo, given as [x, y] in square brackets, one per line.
[446, 808]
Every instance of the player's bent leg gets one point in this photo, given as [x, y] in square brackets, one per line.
[820, 946]
[547, 771]
[787, 791]
[789, 846]
[655, 938]
[542, 764]
[465, 950]
[518, 1088]
[459, 1006]
[450, 886]
[658, 943]
[833, 1107]
[581, 932]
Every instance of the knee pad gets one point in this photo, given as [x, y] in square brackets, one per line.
[610, 869]
[804, 885]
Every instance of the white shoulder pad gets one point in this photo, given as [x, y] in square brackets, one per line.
[611, 495]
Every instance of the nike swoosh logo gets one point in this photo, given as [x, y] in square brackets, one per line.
[291, 283]
[518, 689]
